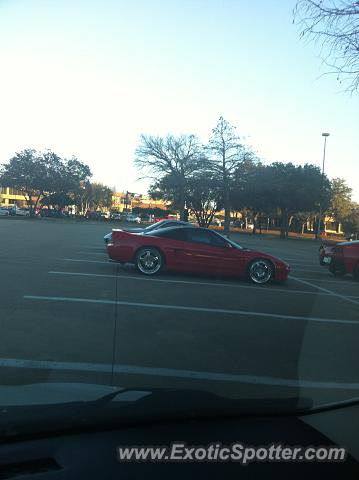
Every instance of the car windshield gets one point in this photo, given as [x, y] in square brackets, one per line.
[155, 226]
[234, 244]
[179, 206]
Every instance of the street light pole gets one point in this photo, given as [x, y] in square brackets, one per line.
[325, 135]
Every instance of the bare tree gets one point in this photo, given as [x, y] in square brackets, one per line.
[334, 24]
[177, 157]
[227, 154]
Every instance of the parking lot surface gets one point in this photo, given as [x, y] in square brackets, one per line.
[68, 314]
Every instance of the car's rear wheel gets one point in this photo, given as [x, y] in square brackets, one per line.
[337, 270]
[260, 271]
[149, 260]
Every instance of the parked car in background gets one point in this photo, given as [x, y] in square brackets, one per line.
[217, 222]
[145, 217]
[155, 226]
[345, 259]
[115, 216]
[238, 223]
[194, 250]
[21, 212]
[93, 215]
[52, 213]
[326, 252]
[131, 217]
[4, 212]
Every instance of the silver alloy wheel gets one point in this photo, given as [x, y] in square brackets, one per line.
[260, 271]
[149, 260]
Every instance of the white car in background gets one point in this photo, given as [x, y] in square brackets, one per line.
[4, 212]
[21, 212]
[216, 221]
[132, 217]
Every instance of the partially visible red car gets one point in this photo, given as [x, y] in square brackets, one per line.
[194, 250]
[326, 252]
[345, 259]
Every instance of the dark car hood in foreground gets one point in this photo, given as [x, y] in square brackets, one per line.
[42, 408]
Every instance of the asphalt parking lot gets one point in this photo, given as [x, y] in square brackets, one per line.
[67, 314]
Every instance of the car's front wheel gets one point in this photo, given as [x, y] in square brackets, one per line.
[260, 271]
[149, 260]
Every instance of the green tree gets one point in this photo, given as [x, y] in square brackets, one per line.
[340, 202]
[297, 189]
[351, 222]
[44, 177]
[284, 189]
[251, 191]
[101, 196]
[27, 173]
[204, 198]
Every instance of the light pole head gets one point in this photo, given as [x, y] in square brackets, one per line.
[325, 134]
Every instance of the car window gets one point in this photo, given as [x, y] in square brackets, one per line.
[205, 237]
[172, 233]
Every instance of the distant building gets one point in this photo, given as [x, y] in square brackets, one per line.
[126, 201]
[11, 197]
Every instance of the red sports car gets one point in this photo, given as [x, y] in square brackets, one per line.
[345, 259]
[194, 250]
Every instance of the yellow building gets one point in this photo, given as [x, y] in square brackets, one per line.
[11, 197]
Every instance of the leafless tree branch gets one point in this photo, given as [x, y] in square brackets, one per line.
[334, 24]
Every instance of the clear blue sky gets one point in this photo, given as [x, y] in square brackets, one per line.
[88, 77]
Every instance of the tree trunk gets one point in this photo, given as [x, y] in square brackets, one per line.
[255, 216]
[226, 196]
[284, 226]
[227, 207]
[29, 203]
[181, 200]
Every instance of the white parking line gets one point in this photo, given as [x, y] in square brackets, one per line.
[87, 261]
[344, 282]
[300, 264]
[175, 373]
[92, 253]
[188, 309]
[320, 273]
[299, 260]
[211, 284]
[338, 295]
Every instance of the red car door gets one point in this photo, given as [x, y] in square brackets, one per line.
[206, 252]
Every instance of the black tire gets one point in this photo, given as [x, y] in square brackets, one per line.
[337, 270]
[260, 271]
[149, 260]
